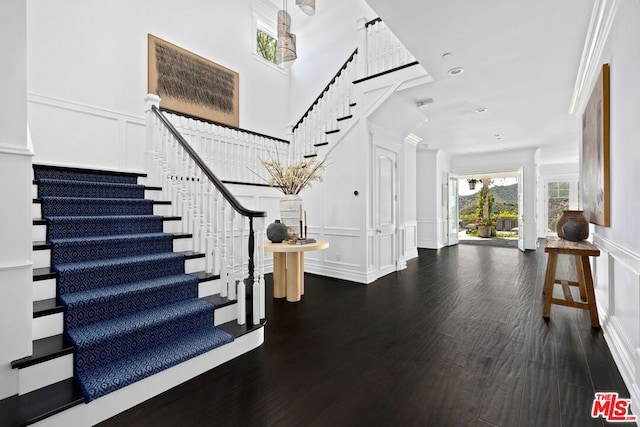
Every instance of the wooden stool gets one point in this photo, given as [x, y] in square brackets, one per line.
[581, 251]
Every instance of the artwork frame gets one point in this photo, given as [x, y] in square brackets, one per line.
[594, 164]
[190, 84]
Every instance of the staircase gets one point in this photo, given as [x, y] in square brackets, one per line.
[122, 306]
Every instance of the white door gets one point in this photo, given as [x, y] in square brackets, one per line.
[452, 211]
[384, 211]
[521, 209]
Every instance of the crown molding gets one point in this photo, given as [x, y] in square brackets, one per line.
[602, 17]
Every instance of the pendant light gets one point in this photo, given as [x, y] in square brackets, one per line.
[286, 40]
[307, 6]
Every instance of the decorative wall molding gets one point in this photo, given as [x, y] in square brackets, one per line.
[620, 317]
[602, 17]
[68, 133]
[16, 265]
[15, 150]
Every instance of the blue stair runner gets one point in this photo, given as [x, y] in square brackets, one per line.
[130, 309]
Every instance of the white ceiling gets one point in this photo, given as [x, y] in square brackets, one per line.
[520, 61]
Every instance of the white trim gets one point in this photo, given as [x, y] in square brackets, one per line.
[340, 273]
[16, 150]
[16, 265]
[602, 17]
[84, 108]
[626, 357]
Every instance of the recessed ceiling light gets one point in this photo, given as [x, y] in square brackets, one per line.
[497, 136]
[447, 55]
[455, 71]
[481, 110]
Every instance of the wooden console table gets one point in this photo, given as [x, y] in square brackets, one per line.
[288, 267]
[581, 251]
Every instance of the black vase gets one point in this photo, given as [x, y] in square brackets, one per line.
[277, 232]
[572, 230]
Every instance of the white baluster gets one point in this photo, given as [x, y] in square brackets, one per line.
[224, 274]
[215, 230]
[242, 291]
[231, 259]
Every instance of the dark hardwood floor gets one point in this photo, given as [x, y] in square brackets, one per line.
[456, 339]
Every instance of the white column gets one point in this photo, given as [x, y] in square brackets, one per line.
[361, 67]
[150, 154]
[15, 216]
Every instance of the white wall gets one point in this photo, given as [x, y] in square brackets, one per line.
[87, 72]
[617, 270]
[507, 161]
[433, 167]
[15, 192]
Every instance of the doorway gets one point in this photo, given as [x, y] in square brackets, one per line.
[385, 211]
[498, 213]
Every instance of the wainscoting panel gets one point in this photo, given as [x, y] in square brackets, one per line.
[409, 240]
[70, 134]
[617, 276]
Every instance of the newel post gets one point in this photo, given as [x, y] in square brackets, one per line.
[150, 153]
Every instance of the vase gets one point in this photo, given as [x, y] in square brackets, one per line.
[484, 231]
[572, 230]
[277, 232]
[290, 208]
[580, 219]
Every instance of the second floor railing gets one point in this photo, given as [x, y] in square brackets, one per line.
[379, 52]
[233, 154]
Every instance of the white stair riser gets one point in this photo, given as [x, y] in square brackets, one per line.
[39, 232]
[45, 373]
[47, 326]
[210, 287]
[44, 289]
[42, 257]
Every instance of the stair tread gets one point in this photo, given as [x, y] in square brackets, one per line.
[329, 132]
[44, 273]
[43, 350]
[90, 171]
[124, 260]
[237, 331]
[345, 117]
[46, 307]
[114, 238]
[151, 360]
[137, 321]
[203, 276]
[39, 404]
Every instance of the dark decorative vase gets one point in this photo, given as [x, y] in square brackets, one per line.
[277, 232]
[572, 230]
[580, 219]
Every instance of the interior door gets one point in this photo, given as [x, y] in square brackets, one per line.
[452, 211]
[385, 211]
[521, 209]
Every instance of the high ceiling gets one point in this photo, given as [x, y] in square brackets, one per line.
[520, 61]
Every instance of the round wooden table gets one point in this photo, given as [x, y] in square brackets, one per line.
[288, 267]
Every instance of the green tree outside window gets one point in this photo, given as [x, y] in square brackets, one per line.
[267, 46]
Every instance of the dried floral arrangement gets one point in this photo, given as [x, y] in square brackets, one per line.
[296, 176]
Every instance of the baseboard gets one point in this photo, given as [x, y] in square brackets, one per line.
[125, 398]
[338, 273]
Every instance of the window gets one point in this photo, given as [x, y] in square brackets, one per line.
[266, 44]
[560, 195]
